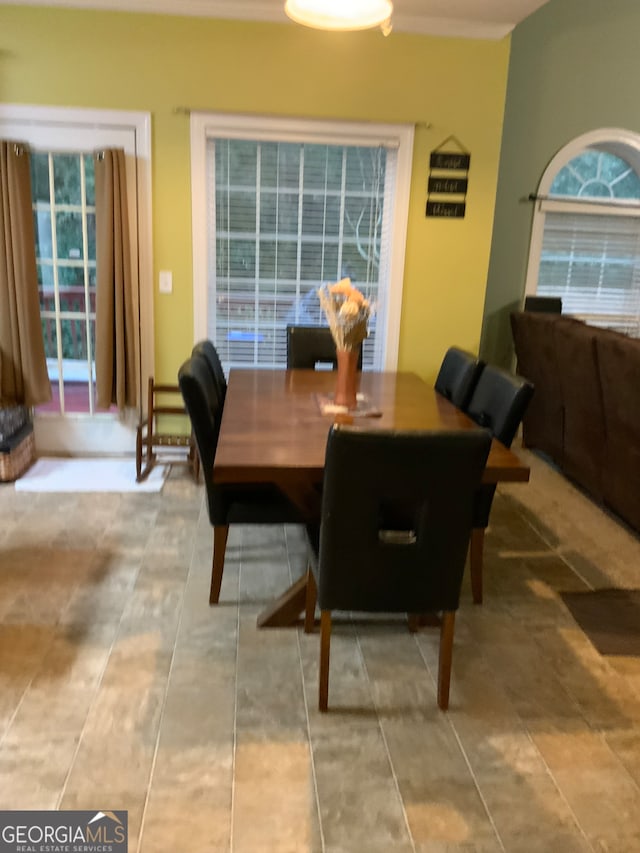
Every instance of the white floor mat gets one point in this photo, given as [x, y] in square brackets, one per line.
[89, 475]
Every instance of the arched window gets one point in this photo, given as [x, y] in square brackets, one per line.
[585, 243]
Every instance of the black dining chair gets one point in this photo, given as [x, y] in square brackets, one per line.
[498, 403]
[458, 375]
[207, 349]
[242, 503]
[308, 346]
[361, 560]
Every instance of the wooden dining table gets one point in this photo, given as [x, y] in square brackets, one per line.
[273, 430]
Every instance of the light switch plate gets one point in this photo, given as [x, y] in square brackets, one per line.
[165, 281]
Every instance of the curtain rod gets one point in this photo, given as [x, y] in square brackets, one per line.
[635, 205]
[187, 111]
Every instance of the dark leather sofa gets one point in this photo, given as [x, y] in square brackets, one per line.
[585, 414]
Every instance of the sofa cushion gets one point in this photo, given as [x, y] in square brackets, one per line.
[619, 369]
[542, 425]
[584, 433]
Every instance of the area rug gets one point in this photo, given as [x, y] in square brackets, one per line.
[609, 617]
[89, 475]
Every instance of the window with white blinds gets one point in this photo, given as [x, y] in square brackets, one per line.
[285, 215]
[585, 245]
[593, 263]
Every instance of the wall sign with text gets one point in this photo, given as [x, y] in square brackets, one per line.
[448, 181]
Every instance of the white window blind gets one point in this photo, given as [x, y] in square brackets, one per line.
[282, 219]
[592, 261]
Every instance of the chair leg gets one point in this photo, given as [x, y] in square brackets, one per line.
[150, 419]
[444, 659]
[220, 533]
[194, 459]
[325, 644]
[310, 603]
[138, 452]
[413, 621]
[143, 446]
[475, 563]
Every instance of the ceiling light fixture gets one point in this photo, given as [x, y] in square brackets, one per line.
[341, 14]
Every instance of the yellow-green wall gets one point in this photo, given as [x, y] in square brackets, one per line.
[156, 63]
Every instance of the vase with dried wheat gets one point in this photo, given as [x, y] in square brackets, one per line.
[347, 312]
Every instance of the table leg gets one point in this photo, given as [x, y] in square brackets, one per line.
[286, 611]
[306, 494]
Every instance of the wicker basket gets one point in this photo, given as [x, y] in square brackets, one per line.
[17, 454]
[12, 419]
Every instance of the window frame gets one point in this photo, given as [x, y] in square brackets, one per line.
[74, 129]
[617, 141]
[59, 123]
[206, 126]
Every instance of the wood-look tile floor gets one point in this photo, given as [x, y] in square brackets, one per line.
[120, 688]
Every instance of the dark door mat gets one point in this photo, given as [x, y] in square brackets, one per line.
[609, 617]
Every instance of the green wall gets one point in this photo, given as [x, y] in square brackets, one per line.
[574, 67]
[156, 63]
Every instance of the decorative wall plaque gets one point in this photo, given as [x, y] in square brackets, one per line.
[448, 185]
[452, 209]
[442, 184]
[449, 159]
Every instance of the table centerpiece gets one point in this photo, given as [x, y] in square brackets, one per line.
[347, 312]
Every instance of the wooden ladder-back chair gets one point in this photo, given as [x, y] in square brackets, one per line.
[150, 437]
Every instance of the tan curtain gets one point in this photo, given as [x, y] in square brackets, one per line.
[23, 367]
[117, 350]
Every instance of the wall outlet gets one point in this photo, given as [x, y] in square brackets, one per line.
[165, 281]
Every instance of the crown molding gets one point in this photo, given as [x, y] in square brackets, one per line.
[451, 27]
[267, 10]
[258, 10]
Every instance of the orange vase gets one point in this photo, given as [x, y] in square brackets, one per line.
[347, 378]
